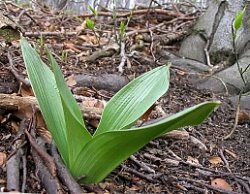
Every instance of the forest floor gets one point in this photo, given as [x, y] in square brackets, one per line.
[198, 160]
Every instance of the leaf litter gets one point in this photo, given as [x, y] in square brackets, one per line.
[166, 157]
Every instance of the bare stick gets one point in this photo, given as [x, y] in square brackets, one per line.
[24, 182]
[63, 173]
[45, 157]
[123, 57]
[13, 171]
[14, 72]
[142, 164]
[236, 120]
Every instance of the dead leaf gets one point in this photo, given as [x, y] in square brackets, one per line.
[2, 158]
[179, 186]
[221, 184]
[135, 188]
[84, 91]
[215, 160]
[71, 47]
[71, 80]
[145, 116]
[81, 27]
[193, 161]
[94, 122]
[14, 126]
[25, 90]
[45, 134]
[94, 103]
[243, 117]
[88, 38]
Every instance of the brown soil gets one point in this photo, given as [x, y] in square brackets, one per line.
[193, 167]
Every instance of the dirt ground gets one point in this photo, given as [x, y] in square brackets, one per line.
[198, 161]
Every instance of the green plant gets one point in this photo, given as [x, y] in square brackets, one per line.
[91, 25]
[115, 139]
[122, 29]
[64, 56]
[94, 12]
[238, 22]
[40, 44]
[235, 27]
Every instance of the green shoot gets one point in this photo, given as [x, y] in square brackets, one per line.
[235, 27]
[64, 56]
[115, 139]
[90, 24]
[94, 12]
[238, 21]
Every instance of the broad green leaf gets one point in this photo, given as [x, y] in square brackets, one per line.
[107, 150]
[238, 19]
[46, 92]
[77, 133]
[134, 99]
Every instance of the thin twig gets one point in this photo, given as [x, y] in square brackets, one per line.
[123, 58]
[142, 164]
[236, 120]
[14, 72]
[150, 177]
[24, 182]
[224, 160]
[47, 159]
[63, 173]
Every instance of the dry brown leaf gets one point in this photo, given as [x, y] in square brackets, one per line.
[145, 116]
[179, 186]
[72, 47]
[215, 160]
[81, 27]
[45, 134]
[94, 122]
[88, 38]
[134, 188]
[2, 118]
[83, 91]
[71, 80]
[25, 90]
[14, 126]
[231, 153]
[94, 103]
[193, 161]
[243, 117]
[2, 158]
[221, 183]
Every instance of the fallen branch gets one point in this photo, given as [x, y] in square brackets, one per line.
[136, 12]
[38, 34]
[50, 183]
[13, 171]
[110, 82]
[23, 106]
[99, 54]
[14, 161]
